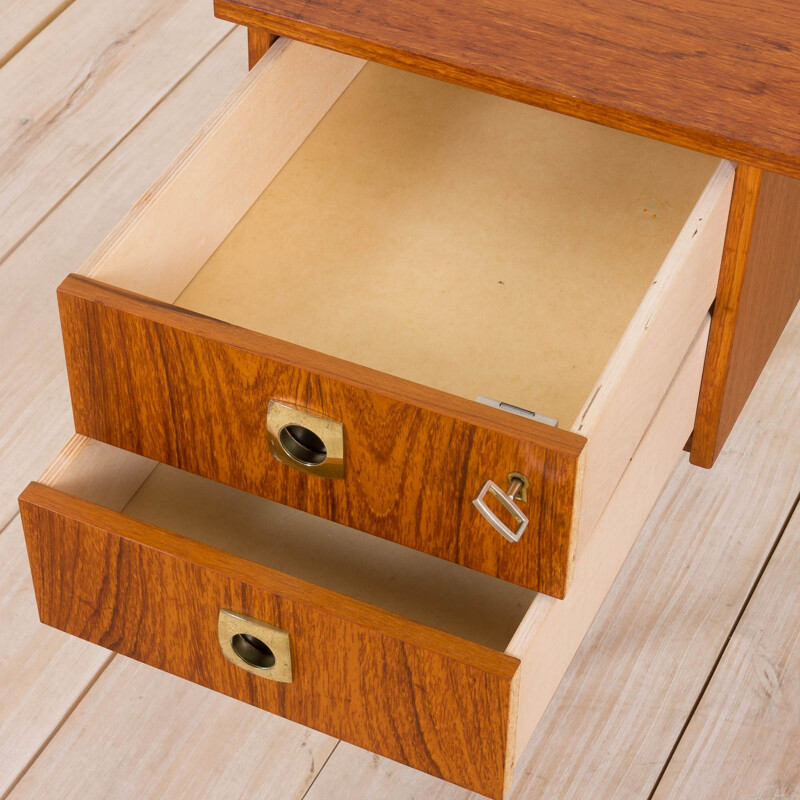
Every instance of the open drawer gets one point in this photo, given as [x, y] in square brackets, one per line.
[364, 258]
[410, 656]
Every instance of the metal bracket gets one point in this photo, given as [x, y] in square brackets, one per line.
[520, 412]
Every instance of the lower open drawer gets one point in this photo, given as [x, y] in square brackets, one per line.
[412, 657]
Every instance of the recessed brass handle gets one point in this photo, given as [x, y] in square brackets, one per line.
[255, 646]
[304, 440]
[517, 489]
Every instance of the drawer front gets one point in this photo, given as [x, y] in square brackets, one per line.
[419, 696]
[193, 392]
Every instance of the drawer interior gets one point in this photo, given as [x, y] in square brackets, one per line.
[346, 218]
[429, 590]
[456, 239]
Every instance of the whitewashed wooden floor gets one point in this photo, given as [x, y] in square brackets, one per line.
[688, 683]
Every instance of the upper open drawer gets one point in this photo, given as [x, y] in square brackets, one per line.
[425, 244]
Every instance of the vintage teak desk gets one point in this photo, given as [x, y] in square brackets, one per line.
[297, 319]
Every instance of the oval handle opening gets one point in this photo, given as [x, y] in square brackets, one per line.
[305, 440]
[303, 445]
[253, 651]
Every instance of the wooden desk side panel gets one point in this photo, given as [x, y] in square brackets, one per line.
[760, 302]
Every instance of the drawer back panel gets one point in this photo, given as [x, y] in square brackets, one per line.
[193, 392]
[428, 699]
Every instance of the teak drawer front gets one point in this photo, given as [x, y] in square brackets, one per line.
[416, 695]
[193, 392]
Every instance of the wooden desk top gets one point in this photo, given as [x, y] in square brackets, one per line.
[721, 76]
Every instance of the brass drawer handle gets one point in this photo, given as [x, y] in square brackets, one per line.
[304, 440]
[255, 646]
[517, 488]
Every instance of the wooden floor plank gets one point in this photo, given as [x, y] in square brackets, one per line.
[69, 96]
[43, 672]
[631, 687]
[141, 733]
[744, 739]
[22, 20]
[35, 412]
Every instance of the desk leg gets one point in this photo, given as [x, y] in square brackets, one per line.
[258, 42]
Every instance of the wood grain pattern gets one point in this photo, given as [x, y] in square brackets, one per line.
[717, 77]
[60, 116]
[364, 675]
[743, 739]
[192, 392]
[24, 19]
[768, 283]
[258, 42]
[744, 201]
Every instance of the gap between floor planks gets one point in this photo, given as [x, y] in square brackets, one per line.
[37, 421]
[60, 115]
[68, 713]
[23, 20]
[743, 739]
[661, 786]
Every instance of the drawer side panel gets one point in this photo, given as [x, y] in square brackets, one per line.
[413, 694]
[193, 392]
